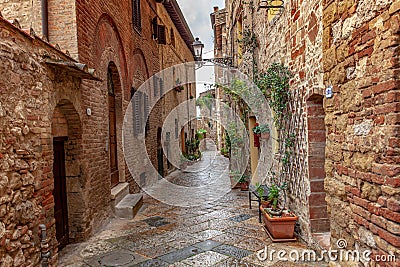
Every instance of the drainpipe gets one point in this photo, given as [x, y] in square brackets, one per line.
[45, 19]
[44, 246]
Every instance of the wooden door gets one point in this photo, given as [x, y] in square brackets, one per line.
[60, 193]
[113, 140]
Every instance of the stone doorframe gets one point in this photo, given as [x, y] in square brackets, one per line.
[66, 123]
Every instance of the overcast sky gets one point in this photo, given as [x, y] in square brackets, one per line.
[197, 14]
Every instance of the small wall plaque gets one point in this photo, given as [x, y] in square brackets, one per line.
[329, 92]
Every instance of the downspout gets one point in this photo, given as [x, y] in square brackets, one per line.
[45, 19]
[45, 253]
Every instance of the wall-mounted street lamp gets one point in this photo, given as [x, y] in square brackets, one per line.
[198, 49]
[270, 4]
[198, 56]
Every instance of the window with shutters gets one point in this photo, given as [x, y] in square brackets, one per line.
[136, 16]
[161, 35]
[146, 113]
[140, 110]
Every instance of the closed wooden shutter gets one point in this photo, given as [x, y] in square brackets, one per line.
[161, 35]
[137, 114]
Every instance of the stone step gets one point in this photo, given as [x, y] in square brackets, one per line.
[118, 192]
[129, 206]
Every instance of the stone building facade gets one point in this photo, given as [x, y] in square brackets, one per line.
[64, 122]
[344, 175]
[291, 36]
[218, 23]
[175, 51]
[361, 63]
[38, 105]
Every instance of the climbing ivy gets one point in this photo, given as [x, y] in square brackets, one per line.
[249, 40]
[275, 85]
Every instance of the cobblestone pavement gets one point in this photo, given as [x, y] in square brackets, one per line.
[221, 233]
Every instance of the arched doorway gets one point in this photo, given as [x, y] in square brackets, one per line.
[69, 206]
[114, 97]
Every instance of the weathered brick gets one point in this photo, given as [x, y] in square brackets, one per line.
[393, 204]
[385, 86]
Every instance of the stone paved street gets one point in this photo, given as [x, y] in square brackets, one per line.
[221, 233]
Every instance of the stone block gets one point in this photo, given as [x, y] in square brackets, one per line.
[129, 206]
[330, 14]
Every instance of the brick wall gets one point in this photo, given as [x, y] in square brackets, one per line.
[361, 62]
[105, 34]
[62, 25]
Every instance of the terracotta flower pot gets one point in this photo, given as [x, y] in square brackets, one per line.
[244, 186]
[279, 227]
[265, 203]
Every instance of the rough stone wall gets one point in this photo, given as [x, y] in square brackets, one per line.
[294, 38]
[30, 92]
[361, 62]
[105, 36]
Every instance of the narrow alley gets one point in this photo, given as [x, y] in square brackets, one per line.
[199, 133]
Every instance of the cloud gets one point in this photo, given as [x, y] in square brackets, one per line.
[197, 14]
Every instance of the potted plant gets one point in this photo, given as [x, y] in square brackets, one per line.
[225, 152]
[201, 133]
[279, 221]
[178, 86]
[261, 130]
[244, 182]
